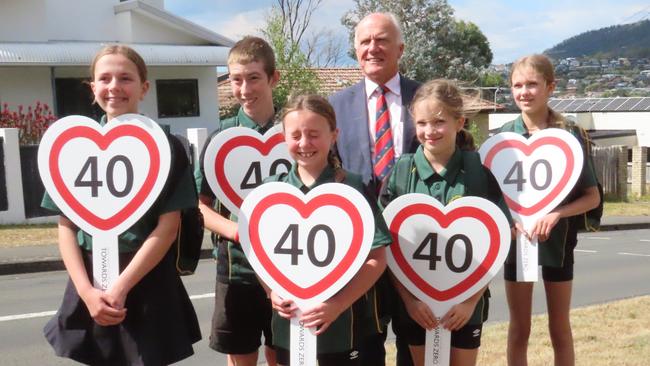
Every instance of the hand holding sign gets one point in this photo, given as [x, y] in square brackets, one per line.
[444, 255]
[238, 159]
[305, 247]
[104, 178]
[535, 175]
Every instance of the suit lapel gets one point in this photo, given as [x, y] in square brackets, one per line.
[409, 129]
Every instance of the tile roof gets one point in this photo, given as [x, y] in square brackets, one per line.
[333, 80]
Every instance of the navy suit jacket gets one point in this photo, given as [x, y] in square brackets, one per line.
[353, 143]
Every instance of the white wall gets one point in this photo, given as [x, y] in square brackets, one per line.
[22, 21]
[81, 20]
[146, 30]
[25, 85]
[637, 121]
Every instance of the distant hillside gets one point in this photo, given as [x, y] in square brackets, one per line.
[628, 40]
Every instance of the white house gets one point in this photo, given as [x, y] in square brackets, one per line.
[46, 47]
[610, 121]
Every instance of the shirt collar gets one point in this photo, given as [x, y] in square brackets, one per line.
[449, 173]
[520, 126]
[326, 176]
[246, 121]
[393, 84]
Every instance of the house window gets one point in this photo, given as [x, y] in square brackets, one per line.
[178, 98]
[73, 96]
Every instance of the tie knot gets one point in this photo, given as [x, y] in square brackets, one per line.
[382, 89]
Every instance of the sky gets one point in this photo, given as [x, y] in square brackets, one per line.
[513, 28]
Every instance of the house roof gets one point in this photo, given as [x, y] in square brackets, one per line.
[173, 21]
[333, 80]
[81, 54]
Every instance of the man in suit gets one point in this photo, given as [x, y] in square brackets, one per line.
[382, 98]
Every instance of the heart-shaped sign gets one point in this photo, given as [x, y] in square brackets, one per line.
[104, 178]
[445, 254]
[306, 247]
[535, 174]
[238, 159]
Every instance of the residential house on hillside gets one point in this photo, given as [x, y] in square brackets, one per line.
[46, 47]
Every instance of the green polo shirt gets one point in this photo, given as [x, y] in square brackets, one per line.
[552, 251]
[446, 186]
[356, 322]
[232, 265]
[179, 198]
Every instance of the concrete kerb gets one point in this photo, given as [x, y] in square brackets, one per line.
[34, 265]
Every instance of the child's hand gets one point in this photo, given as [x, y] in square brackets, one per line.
[285, 308]
[519, 229]
[458, 315]
[115, 298]
[99, 309]
[544, 226]
[321, 316]
[421, 313]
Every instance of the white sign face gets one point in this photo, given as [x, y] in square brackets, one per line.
[306, 247]
[238, 159]
[104, 178]
[445, 254]
[535, 174]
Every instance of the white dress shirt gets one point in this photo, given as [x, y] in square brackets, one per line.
[394, 100]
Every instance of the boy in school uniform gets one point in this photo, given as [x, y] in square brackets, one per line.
[242, 311]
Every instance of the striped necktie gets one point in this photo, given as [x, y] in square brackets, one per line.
[384, 155]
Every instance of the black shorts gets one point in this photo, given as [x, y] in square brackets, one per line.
[347, 358]
[550, 274]
[242, 314]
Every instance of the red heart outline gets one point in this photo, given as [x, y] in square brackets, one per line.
[103, 141]
[444, 220]
[219, 163]
[306, 209]
[528, 150]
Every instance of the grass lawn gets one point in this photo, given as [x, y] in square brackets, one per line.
[616, 333]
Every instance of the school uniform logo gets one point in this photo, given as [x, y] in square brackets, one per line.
[238, 159]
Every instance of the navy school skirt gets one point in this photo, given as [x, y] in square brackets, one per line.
[159, 329]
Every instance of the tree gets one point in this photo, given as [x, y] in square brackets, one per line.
[436, 45]
[295, 74]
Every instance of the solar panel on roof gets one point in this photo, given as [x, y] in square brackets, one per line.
[629, 104]
[644, 105]
[613, 106]
[601, 104]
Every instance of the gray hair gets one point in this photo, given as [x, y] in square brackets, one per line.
[391, 18]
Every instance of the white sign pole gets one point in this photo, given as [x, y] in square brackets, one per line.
[106, 260]
[437, 349]
[302, 342]
[445, 254]
[305, 247]
[527, 259]
[535, 175]
[104, 178]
